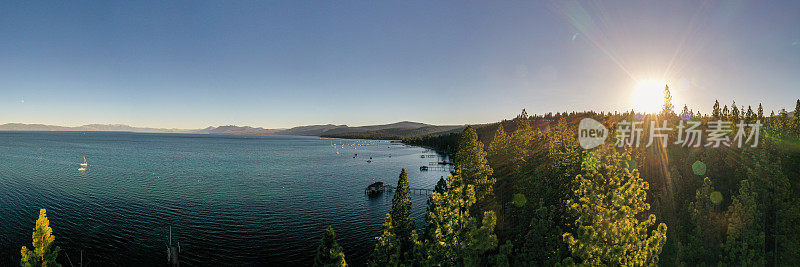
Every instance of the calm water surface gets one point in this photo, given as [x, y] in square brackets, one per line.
[231, 200]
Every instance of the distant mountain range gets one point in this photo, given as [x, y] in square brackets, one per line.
[386, 131]
[88, 128]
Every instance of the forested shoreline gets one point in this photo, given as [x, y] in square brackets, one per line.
[525, 193]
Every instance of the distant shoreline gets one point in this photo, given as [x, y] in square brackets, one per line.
[393, 131]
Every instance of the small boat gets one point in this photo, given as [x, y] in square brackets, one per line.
[423, 168]
[83, 165]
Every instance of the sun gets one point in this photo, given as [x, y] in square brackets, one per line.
[648, 96]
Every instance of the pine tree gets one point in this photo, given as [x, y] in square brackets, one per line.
[441, 188]
[387, 248]
[668, 107]
[716, 114]
[608, 201]
[401, 214]
[760, 112]
[470, 160]
[686, 110]
[543, 239]
[497, 153]
[705, 241]
[751, 117]
[523, 115]
[783, 119]
[441, 185]
[797, 116]
[734, 112]
[329, 253]
[505, 251]
[42, 254]
[788, 238]
[459, 239]
[725, 113]
[745, 236]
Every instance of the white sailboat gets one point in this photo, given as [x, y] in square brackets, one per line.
[83, 165]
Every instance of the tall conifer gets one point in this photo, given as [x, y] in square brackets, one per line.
[470, 160]
[401, 214]
[43, 253]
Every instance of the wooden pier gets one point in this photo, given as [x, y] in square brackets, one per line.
[435, 168]
[420, 191]
[378, 188]
[172, 251]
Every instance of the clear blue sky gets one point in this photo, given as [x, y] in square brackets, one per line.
[191, 64]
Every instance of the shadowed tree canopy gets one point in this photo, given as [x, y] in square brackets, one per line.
[387, 247]
[329, 253]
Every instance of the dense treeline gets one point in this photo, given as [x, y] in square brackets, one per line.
[525, 193]
[397, 133]
[443, 143]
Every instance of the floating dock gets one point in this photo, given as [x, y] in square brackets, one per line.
[378, 188]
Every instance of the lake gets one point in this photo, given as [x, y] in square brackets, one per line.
[232, 200]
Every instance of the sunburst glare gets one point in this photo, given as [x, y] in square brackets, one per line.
[648, 96]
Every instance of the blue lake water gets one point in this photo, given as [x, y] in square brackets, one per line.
[232, 200]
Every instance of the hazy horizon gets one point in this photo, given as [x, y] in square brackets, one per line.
[242, 125]
[190, 65]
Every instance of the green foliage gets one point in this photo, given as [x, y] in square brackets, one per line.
[519, 200]
[796, 120]
[745, 237]
[706, 239]
[608, 200]
[387, 248]
[329, 253]
[606, 210]
[543, 239]
[470, 160]
[43, 253]
[457, 238]
[402, 222]
[444, 143]
[498, 149]
[788, 237]
[502, 258]
[441, 188]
